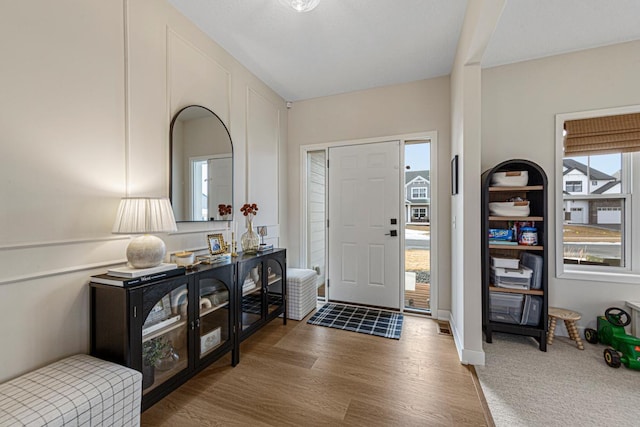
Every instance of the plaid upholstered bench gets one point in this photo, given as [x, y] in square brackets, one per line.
[77, 391]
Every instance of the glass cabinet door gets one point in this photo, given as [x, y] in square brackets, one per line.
[214, 314]
[164, 333]
[275, 298]
[251, 295]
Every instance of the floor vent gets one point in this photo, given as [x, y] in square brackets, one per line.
[443, 328]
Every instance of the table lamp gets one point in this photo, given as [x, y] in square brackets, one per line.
[143, 215]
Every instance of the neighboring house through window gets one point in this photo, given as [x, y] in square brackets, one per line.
[419, 193]
[417, 202]
[573, 187]
[595, 217]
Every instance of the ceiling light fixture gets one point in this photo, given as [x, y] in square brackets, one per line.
[301, 5]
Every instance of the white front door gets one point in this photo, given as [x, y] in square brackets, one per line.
[364, 201]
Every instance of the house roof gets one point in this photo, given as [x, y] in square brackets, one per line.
[411, 175]
[571, 164]
[606, 187]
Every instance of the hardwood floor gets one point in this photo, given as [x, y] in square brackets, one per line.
[304, 375]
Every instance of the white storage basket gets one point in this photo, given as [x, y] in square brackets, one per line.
[510, 179]
[509, 208]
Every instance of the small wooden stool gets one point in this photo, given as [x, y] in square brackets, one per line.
[569, 318]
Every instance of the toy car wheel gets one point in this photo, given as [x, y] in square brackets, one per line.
[612, 357]
[591, 335]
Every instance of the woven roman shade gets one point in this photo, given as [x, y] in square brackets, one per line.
[602, 135]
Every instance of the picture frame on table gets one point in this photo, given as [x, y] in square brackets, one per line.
[216, 244]
[454, 175]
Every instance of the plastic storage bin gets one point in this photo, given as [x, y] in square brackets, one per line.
[505, 262]
[534, 262]
[531, 310]
[510, 179]
[512, 278]
[506, 308]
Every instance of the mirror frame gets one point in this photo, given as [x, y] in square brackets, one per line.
[173, 120]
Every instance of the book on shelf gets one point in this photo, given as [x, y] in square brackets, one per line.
[503, 242]
[130, 272]
[212, 259]
[108, 279]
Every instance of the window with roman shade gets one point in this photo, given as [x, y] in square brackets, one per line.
[602, 135]
[596, 182]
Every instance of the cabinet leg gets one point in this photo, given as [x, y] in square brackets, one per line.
[543, 342]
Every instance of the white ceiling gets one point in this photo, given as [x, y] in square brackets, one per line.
[347, 45]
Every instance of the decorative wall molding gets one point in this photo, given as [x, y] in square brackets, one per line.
[173, 35]
[61, 271]
[30, 245]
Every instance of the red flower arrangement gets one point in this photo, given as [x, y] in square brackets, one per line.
[249, 209]
[224, 209]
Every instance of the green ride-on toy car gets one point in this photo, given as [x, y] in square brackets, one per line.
[623, 348]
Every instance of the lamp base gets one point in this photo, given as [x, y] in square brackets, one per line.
[146, 251]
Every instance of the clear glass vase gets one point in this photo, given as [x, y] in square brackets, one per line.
[250, 239]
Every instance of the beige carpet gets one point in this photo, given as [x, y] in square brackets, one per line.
[562, 387]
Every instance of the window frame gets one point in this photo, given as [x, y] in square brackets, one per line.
[419, 188]
[414, 208]
[630, 273]
[573, 184]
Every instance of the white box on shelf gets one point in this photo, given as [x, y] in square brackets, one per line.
[504, 262]
[210, 340]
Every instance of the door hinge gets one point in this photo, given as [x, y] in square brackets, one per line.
[327, 283]
[327, 223]
[327, 163]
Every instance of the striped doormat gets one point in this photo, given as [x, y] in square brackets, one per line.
[370, 321]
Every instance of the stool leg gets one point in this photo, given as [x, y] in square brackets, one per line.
[573, 333]
[552, 330]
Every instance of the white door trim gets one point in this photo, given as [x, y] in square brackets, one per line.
[434, 178]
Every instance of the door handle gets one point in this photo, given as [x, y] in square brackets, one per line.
[392, 233]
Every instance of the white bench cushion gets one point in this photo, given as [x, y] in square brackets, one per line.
[77, 391]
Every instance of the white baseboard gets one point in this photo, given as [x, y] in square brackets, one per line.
[467, 357]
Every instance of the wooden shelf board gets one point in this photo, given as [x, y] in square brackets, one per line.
[516, 291]
[204, 312]
[274, 279]
[251, 291]
[516, 218]
[524, 188]
[517, 247]
[164, 330]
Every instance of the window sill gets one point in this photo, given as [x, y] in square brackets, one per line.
[599, 276]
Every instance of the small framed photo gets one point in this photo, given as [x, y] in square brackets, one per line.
[454, 175]
[216, 244]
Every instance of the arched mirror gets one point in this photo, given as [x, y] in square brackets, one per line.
[201, 187]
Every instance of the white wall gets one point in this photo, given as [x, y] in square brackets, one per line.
[390, 110]
[88, 91]
[519, 104]
[466, 284]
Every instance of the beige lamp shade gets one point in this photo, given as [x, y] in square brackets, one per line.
[144, 215]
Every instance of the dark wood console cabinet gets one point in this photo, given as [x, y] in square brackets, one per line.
[187, 322]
